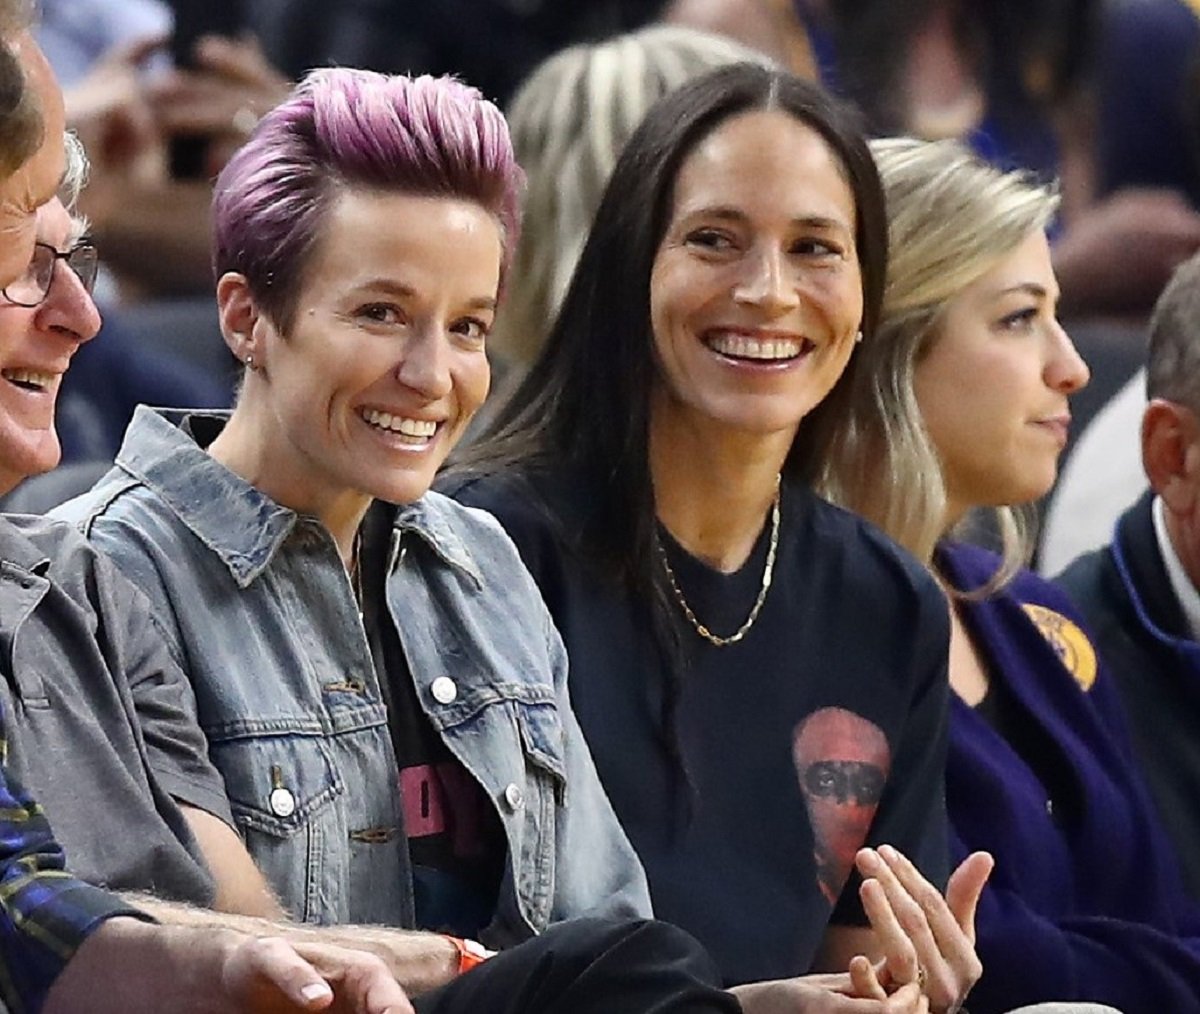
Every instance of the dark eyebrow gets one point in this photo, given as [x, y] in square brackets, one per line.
[734, 215]
[388, 286]
[403, 291]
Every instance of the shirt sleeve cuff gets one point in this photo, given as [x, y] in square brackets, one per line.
[197, 793]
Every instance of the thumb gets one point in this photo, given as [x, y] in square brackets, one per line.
[964, 888]
[259, 967]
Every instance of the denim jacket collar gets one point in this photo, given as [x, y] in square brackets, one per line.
[429, 519]
[242, 525]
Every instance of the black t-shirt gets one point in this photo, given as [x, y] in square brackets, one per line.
[822, 730]
[455, 840]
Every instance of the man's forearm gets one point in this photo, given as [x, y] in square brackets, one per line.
[130, 965]
[419, 961]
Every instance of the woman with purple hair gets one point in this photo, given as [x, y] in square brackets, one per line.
[379, 681]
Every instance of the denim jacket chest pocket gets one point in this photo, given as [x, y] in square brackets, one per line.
[277, 784]
[484, 677]
[282, 790]
[510, 739]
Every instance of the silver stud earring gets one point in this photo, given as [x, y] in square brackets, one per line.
[249, 360]
[858, 337]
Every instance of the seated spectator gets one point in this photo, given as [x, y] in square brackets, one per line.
[155, 778]
[570, 119]
[364, 354]
[963, 404]
[653, 468]
[1139, 592]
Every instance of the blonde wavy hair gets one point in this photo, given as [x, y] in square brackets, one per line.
[569, 121]
[951, 219]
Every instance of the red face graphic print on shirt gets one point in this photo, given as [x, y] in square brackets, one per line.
[842, 761]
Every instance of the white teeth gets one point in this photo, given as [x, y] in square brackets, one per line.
[29, 377]
[419, 429]
[753, 348]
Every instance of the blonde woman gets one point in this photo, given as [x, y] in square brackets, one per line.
[963, 403]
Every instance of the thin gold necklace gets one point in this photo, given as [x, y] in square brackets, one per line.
[768, 572]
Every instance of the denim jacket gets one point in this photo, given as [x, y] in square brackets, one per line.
[263, 618]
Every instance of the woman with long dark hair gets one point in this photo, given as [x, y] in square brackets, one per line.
[760, 676]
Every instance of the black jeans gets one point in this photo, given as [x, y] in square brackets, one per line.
[591, 966]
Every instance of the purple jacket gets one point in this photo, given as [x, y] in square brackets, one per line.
[1088, 906]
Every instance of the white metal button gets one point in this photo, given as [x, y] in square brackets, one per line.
[283, 803]
[444, 690]
[513, 796]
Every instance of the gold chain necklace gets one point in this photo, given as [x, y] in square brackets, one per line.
[768, 572]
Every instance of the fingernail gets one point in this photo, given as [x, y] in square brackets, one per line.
[889, 853]
[316, 991]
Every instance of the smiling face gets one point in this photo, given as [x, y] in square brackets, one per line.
[384, 364]
[993, 387]
[36, 181]
[755, 292]
[36, 346]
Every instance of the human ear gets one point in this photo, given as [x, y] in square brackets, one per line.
[238, 316]
[1171, 454]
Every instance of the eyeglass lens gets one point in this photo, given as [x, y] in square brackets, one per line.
[32, 288]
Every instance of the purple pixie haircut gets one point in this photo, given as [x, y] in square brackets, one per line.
[348, 129]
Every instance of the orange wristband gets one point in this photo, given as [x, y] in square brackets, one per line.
[471, 953]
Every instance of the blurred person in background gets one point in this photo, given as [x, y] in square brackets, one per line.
[1148, 135]
[769, 27]
[1020, 81]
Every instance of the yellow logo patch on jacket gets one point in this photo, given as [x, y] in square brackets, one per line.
[1069, 642]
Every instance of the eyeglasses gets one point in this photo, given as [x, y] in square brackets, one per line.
[31, 288]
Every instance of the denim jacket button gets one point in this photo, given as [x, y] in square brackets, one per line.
[444, 690]
[283, 803]
[513, 796]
